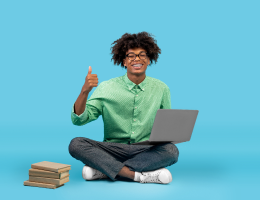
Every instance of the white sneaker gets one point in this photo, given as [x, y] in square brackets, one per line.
[89, 173]
[162, 175]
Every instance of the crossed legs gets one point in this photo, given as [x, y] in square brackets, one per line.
[115, 159]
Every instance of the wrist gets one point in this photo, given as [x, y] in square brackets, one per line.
[84, 92]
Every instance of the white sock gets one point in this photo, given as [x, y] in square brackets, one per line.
[137, 176]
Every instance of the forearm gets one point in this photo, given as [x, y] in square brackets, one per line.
[80, 103]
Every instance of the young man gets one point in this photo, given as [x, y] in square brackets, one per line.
[128, 105]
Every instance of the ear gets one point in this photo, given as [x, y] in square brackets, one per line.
[124, 62]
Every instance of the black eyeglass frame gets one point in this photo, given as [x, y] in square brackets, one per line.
[137, 55]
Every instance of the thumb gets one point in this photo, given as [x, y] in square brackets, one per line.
[89, 70]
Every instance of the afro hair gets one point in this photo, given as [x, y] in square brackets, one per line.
[129, 41]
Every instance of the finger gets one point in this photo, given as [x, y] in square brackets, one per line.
[93, 75]
[89, 70]
[91, 78]
[93, 84]
[93, 81]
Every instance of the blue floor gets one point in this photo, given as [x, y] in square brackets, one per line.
[218, 163]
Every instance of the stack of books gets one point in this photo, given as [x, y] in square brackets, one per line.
[48, 175]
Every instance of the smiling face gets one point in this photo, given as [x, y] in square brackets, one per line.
[136, 67]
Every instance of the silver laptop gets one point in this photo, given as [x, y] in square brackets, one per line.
[171, 125]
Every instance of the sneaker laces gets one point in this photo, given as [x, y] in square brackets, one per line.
[151, 177]
[99, 174]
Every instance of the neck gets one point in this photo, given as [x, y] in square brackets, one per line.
[136, 78]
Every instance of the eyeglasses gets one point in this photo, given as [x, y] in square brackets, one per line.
[141, 55]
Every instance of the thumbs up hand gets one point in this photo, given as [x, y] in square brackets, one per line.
[91, 81]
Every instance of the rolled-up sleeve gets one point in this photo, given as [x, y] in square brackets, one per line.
[166, 100]
[92, 110]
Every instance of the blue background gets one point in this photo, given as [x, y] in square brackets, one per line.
[210, 61]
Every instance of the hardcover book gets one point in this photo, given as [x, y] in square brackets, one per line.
[52, 181]
[48, 174]
[51, 166]
[44, 185]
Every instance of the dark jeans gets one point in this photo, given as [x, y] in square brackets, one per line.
[109, 158]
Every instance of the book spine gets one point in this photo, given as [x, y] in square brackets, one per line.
[44, 180]
[48, 180]
[44, 168]
[59, 170]
[43, 185]
[42, 174]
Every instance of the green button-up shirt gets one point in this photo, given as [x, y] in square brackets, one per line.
[128, 110]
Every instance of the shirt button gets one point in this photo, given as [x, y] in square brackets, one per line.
[137, 95]
[134, 119]
[132, 132]
[135, 107]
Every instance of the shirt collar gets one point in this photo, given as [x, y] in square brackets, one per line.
[130, 84]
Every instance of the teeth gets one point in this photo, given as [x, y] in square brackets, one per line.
[138, 65]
